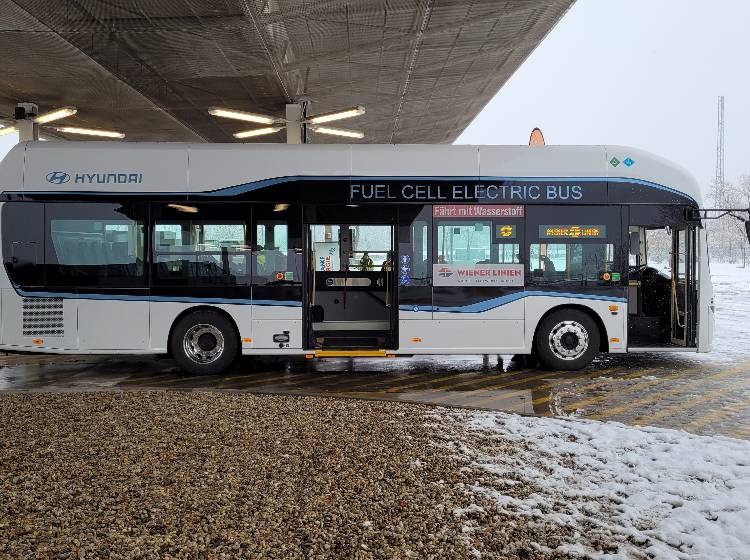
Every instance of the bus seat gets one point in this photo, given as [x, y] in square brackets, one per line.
[118, 252]
[317, 314]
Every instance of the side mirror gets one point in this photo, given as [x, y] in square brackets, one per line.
[635, 243]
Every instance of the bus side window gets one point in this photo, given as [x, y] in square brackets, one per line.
[414, 265]
[23, 242]
[95, 244]
[206, 246]
[460, 242]
[570, 261]
[277, 244]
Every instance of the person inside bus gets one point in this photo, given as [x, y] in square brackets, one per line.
[365, 263]
[548, 265]
[387, 265]
[274, 259]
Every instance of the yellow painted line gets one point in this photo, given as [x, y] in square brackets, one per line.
[592, 400]
[684, 405]
[740, 433]
[313, 378]
[634, 375]
[655, 397]
[548, 385]
[398, 387]
[715, 415]
[451, 387]
[514, 382]
[266, 377]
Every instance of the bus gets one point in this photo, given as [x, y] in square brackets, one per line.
[207, 252]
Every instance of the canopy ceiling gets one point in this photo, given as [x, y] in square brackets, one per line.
[423, 69]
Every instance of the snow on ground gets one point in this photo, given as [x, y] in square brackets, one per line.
[625, 492]
[615, 491]
[732, 302]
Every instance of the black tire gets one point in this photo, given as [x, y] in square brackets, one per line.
[205, 343]
[567, 340]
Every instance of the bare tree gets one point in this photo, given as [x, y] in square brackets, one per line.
[727, 238]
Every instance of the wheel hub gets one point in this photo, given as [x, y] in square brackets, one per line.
[568, 340]
[207, 342]
[203, 343]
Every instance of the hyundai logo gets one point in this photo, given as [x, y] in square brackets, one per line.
[58, 177]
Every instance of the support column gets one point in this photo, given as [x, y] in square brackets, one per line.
[295, 130]
[28, 130]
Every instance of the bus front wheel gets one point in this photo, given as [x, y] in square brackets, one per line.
[205, 343]
[567, 340]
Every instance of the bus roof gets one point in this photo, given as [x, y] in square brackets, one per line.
[193, 168]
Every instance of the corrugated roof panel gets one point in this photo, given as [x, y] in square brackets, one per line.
[404, 59]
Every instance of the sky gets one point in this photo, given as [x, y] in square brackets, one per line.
[644, 73]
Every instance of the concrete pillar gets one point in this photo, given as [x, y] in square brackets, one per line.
[28, 130]
[295, 130]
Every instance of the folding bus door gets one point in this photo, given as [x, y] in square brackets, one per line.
[683, 291]
[478, 277]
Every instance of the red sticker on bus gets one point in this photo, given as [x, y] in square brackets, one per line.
[477, 211]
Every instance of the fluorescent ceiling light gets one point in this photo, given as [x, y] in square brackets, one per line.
[257, 132]
[339, 132]
[337, 115]
[8, 130]
[183, 208]
[241, 115]
[91, 132]
[55, 115]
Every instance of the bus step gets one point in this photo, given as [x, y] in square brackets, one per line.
[353, 342]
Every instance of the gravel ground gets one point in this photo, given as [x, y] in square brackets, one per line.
[223, 475]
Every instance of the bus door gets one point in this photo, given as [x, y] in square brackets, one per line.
[683, 295]
[351, 300]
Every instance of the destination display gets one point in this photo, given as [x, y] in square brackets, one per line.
[477, 211]
[477, 275]
[479, 191]
[505, 231]
[572, 231]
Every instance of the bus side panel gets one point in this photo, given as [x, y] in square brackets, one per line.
[614, 321]
[48, 323]
[164, 313]
[469, 330]
[271, 323]
[113, 325]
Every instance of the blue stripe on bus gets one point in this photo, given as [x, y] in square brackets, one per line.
[262, 183]
[477, 307]
[255, 185]
[493, 303]
[174, 299]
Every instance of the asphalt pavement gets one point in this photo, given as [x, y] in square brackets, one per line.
[684, 391]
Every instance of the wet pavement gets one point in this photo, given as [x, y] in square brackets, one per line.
[683, 391]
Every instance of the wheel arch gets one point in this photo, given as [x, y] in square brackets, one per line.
[185, 312]
[603, 339]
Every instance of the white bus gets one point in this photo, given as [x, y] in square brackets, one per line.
[206, 252]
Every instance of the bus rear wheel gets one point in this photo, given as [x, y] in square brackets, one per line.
[567, 340]
[205, 343]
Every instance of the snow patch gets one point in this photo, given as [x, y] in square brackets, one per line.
[654, 491]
